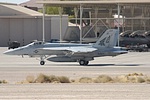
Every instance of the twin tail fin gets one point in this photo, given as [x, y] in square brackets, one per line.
[108, 39]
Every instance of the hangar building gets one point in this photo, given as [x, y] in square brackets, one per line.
[24, 25]
[99, 15]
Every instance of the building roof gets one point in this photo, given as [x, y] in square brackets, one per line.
[16, 10]
[7, 3]
[31, 3]
[91, 2]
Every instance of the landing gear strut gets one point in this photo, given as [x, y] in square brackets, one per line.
[83, 62]
[42, 62]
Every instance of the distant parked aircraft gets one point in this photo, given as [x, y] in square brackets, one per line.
[135, 38]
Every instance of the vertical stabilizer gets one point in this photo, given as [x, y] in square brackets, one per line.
[108, 39]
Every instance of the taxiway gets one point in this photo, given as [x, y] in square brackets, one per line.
[15, 68]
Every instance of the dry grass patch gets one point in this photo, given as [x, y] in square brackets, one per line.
[129, 78]
[63, 79]
[51, 79]
[135, 74]
[41, 79]
[103, 79]
[137, 78]
[148, 81]
[3, 82]
[30, 79]
[121, 79]
[140, 80]
[85, 80]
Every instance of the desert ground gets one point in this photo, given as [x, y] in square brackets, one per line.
[15, 70]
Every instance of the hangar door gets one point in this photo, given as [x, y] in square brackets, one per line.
[16, 30]
[4, 32]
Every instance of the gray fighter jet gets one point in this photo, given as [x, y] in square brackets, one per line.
[69, 52]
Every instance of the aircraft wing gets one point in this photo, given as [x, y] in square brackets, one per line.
[70, 49]
[120, 52]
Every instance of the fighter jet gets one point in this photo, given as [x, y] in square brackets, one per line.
[69, 52]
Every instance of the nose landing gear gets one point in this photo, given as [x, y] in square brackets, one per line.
[42, 62]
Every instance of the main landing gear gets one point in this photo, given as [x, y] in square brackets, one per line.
[83, 62]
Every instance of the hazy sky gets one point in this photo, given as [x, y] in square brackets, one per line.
[14, 1]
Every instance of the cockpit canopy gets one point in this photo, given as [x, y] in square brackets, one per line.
[36, 43]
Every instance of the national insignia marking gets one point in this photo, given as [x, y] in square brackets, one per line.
[36, 51]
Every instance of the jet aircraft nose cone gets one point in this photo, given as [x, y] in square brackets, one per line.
[8, 52]
[16, 51]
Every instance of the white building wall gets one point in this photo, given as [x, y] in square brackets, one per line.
[30, 30]
[4, 32]
[24, 25]
[48, 29]
[16, 30]
[55, 26]
[25, 30]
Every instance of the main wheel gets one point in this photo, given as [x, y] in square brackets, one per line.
[148, 45]
[86, 62]
[83, 62]
[42, 62]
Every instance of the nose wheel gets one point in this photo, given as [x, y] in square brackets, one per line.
[42, 58]
[42, 62]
